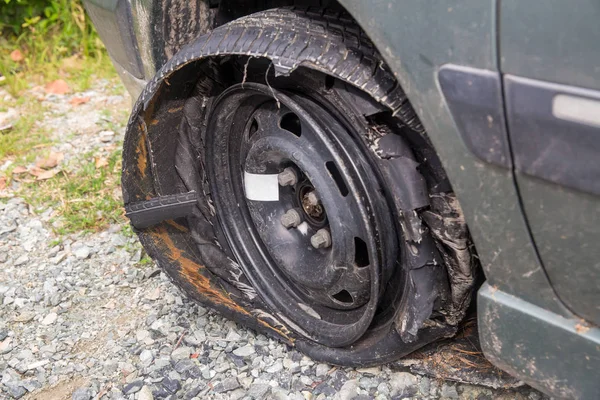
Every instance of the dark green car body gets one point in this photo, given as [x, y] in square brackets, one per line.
[509, 94]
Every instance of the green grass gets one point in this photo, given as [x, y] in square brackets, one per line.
[26, 133]
[86, 200]
[54, 39]
[57, 41]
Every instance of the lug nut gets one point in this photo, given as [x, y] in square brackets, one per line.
[291, 219]
[287, 177]
[312, 198]
[321, 239]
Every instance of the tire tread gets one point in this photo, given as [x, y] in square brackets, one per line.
[324, 39]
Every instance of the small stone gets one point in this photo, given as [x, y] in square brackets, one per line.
[15, 390]
[449, 391]
[145, 393]
[106, 136]
[31, 384]
[424, 385]
[82, 394]
[188, 369]
[194, 392]
[403, 384]
[152, 273]
[37, 364]
[325, 389]
[233, 336]
[146, 357]
[276, 367]
[181, 353]
[237, 394]
[367, 383]
[306, 381]
[82, 252]
[24, 317]
[142, 335]
[118, 240]
[383, 389]
[259, 390]
[49, 319]
[6, 346]
[278, 393]
[483, 393]
[322, 369]
[21, 260]
[133, 387]
[349, 390]
[154, 294]
[171, 385]
[226, 385]
[244, 351]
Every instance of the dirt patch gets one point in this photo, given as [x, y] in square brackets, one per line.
[63, 390]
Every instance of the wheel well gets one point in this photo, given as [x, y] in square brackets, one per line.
[180, 96]
[221, 12]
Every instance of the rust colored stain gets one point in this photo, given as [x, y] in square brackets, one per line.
[177, 226]
[582, 328]
[174, 110]
[190, 272]
[142, 154]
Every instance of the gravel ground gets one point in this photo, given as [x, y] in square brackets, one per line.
[84, 319]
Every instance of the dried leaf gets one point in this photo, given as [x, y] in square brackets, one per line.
[48, 174]
[75, 101]
[58, 86]
[51, 161]
[35, 171]
[19, 170]
[16, 55]
[23, 180]
[100, 162]
[2, 182]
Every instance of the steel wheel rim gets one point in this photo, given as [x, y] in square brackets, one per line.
[295, 297]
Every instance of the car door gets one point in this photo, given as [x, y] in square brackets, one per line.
[550, 63]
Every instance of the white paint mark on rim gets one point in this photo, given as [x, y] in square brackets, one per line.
[576, 109]
[261, 187]
[303, 228]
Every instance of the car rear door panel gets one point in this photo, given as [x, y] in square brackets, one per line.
[550, 72]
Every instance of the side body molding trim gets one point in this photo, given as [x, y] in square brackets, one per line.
[474, 97]
[554, 132]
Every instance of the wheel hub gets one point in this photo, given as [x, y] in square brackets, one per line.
[311, 205]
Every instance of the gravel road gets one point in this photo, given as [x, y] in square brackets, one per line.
[85, 319]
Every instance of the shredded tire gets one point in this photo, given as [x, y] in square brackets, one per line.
[164, 155]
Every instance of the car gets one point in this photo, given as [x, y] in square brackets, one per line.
[351, 177]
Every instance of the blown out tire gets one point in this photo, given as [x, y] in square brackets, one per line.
[307, 92]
